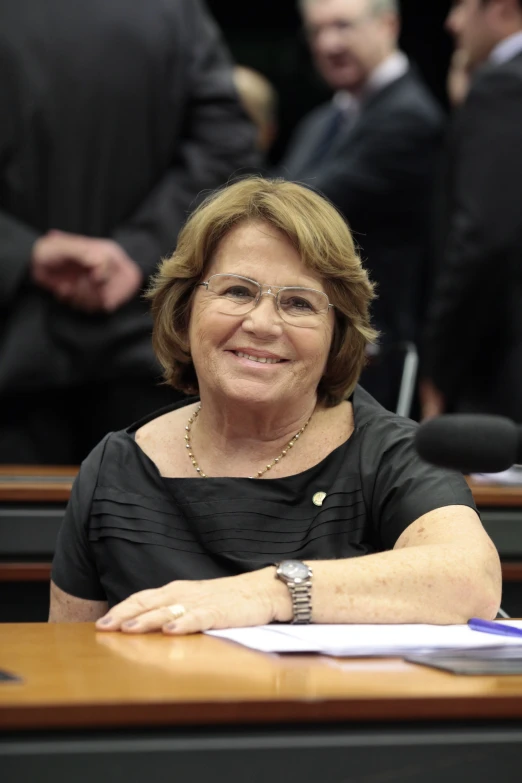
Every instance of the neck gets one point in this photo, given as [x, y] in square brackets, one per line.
[512, 27]
[360, 90]
[231, 425]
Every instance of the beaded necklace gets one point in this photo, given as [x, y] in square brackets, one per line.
[260, 473]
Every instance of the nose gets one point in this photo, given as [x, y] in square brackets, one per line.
[452, 22]
[265, 318]
[333, 43]
[329, 40]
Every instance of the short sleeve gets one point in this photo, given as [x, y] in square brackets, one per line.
[405, 487]
[74, 568]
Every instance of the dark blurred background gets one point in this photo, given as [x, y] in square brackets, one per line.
[267, 36]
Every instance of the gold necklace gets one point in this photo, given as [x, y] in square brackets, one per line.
[260, 473]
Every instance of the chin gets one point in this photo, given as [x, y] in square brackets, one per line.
[345, 79]
[251, 393]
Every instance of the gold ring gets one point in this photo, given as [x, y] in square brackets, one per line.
[177, 610]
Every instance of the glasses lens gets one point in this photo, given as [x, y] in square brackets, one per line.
[237, 294]
[303, 304]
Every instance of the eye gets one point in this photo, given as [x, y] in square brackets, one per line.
[238, 292]
[298, 304]
[342, 25]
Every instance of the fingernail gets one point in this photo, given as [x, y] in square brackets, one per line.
[171, 627]
[130, 623]
[105, 621]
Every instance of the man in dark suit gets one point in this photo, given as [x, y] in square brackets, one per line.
[473, 357]
[115, 116]
[372, 151]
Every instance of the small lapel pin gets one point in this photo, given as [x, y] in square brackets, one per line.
[319, 498]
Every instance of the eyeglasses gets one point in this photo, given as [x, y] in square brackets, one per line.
[297, 306]
[340, 26]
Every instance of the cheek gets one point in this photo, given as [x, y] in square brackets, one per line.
[201, 322]
[317, 351]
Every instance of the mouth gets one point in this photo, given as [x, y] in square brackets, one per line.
[259, 359]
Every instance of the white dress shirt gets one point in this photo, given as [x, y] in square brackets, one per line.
[389, 71]
[507, 49]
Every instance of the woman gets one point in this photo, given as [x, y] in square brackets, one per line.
[178, 522]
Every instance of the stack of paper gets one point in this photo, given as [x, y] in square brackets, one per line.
[366, 640]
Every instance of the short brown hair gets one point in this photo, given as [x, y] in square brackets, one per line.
[325, 244]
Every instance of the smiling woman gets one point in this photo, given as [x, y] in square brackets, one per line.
[283, 491]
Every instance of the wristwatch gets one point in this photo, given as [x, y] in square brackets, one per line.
[298, 578]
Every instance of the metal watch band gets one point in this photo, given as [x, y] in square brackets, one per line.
[301, 595]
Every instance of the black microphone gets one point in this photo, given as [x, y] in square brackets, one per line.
[470, 443]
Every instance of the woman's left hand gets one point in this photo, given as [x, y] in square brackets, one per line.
[231, 602]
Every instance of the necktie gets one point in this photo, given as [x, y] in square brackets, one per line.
[336, 122]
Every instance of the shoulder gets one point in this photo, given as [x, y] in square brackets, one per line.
[164, 424]
[387, 440]
[495, 83]
[372, 417]
[410, 101]
[162, 438]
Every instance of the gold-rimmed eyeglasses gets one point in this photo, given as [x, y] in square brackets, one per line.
[297, 305]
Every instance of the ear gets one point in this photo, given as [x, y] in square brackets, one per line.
[392, 23]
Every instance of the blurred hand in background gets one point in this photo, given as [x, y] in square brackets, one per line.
[87, 273]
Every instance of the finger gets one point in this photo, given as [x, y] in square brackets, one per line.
[79, 295]
[194, 621]
[86, 298]
[148, 621]
[85, 305]
[133, 607]
[64, 289]
[65, 247]
[99, 272]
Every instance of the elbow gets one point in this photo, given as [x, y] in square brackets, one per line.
[483, 591]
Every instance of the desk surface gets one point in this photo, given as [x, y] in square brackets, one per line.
[74, 677]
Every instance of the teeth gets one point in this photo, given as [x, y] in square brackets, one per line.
[261, 359]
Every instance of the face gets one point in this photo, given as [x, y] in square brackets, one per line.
[471, 23]
[347, 41]
[298, 354]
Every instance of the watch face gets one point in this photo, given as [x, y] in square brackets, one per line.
[294, 569]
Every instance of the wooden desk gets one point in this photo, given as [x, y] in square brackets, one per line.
[108, 707]
[32, 504]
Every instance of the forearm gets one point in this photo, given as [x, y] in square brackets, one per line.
[437, 583]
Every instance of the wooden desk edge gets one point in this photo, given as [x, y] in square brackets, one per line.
[36, 483]
[25, 572]
[487, 495]
[36, 490]
[94, 716]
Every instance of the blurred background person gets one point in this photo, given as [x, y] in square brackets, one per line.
[473, 360]
[115, 116]
[459, 77]
[372, 150]
[259, 100]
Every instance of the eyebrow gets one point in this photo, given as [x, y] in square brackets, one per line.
[273, 285]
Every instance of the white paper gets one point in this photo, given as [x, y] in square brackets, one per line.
[366, 640]
[508, 478]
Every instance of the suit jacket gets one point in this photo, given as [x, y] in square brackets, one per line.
[379, 174]
[115, 116]
[474, 328]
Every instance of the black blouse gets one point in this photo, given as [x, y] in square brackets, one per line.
[127, 528]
